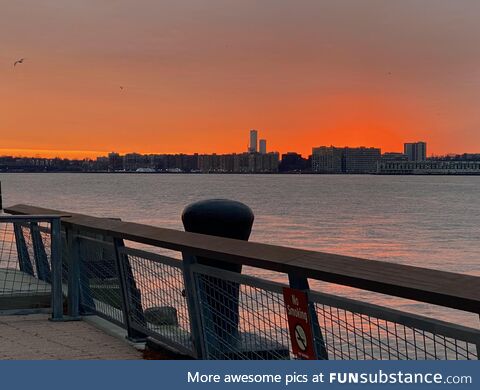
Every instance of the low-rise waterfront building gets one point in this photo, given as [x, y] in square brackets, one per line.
[115, 162]
[327, 159]
[394, 156]
[429, 167]
[293, 162]
[239, 163]
[361, 160]
[345, 160]
[134, 161]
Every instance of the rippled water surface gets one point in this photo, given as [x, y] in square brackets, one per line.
[426, 221]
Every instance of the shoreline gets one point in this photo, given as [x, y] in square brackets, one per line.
[245, 173]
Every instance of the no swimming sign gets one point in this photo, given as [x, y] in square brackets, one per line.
[296, 305]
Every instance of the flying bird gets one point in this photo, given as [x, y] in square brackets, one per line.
[20, 61]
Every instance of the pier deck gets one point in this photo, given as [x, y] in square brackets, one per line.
[19, 290]
[34, 337]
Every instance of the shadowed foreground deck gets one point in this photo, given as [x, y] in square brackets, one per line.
[33, 337]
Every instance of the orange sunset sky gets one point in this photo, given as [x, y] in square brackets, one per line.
[197, 75]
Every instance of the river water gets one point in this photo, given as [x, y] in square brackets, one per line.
[431, 222]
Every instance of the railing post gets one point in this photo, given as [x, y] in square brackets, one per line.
[56, 264]
[41, 259]
[194, 306]
[24, 262]
[301, 283]
[131, 298]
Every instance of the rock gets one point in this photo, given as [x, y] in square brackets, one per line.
[165, 315]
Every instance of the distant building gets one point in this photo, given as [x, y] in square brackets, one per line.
[361, 160]
[253, 148]
[458, 157]
[134, 161]
[430, 167]
[415, 151]
[227, 163]
[115, 162]
[394, 156]
[269, 162]
[327, 159]
[256, 162]
[293, 162]
[241, 163]
[263, 146]
[330, 159]
[101, 164]
[208, 163]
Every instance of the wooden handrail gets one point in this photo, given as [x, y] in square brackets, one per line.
[442, 288]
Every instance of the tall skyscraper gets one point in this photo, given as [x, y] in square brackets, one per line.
[253, 148]
[415, 151]
[263, 146]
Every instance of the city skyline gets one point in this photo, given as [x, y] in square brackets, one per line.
[255, 159]
[142, 76]
[254, 145]
[261, 143]
[91, 154]
[260, 147]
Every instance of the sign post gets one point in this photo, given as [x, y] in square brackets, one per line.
[299, 323]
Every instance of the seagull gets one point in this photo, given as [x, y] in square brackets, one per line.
[20, 61]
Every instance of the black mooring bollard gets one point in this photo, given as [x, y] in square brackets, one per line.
[223, 218]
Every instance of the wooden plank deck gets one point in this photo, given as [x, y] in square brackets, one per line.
[34, 337]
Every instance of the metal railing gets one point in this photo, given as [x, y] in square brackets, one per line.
[119, 270]
[362, 331]
[31, 263]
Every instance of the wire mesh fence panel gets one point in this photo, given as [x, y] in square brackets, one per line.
[33, 250]
[99, 279]
[160, 306]
[25, 264]
[353, 330]
[242, 317]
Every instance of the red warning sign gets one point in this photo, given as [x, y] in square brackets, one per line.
[296, 305]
